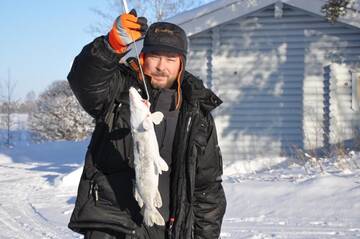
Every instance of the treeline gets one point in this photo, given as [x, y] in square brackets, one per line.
[22, 107]
[53, 115]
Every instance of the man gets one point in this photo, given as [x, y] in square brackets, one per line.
[193, 198]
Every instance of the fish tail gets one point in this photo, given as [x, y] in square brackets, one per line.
[157, 200]
[151, 216]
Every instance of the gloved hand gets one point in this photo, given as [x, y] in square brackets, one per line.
[126, 29]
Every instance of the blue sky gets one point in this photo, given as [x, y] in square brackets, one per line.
[40, 38]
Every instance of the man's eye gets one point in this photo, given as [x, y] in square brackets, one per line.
[171, 59]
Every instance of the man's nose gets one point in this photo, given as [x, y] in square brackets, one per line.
[160, 66]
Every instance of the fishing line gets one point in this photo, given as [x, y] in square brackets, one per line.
[137, 55]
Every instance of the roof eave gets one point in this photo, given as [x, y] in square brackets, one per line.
[196, 21]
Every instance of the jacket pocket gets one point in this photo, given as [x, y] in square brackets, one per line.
[220, 160]
[201, 135]
[115, 192]
[116, 153]
[116, 188]
[103, 202]
[209, 160]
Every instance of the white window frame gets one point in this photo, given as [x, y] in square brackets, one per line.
[355, 103]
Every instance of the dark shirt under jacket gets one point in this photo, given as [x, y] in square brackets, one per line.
[165, 131]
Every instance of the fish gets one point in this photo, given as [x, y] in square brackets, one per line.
[148, 163]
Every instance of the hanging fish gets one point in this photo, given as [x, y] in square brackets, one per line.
[147, 160]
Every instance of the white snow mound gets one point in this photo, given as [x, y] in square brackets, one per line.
[4, 159]
[72, 179]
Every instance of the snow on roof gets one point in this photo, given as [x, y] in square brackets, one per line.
[220, 11]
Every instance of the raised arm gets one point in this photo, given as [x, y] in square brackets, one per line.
[92, 76]
[96, 73]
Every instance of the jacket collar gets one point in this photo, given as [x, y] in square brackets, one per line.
[194, 92]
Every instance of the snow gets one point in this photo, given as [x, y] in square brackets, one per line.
[266, 198]
[37, 191]
[269, 197]
[278, 205]
[68, 180]
[341, 72]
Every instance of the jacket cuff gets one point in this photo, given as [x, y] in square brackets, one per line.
[103, 50]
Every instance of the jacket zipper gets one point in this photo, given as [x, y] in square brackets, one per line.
[188, 126]
[94, 191]
[172, 218]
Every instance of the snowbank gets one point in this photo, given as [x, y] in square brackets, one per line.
[4, 159]
[72, 179]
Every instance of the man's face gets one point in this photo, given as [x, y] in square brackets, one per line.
[162, 67]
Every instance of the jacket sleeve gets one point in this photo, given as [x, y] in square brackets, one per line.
[210, 202]
[93, 76]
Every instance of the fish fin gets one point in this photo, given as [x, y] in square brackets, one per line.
[147, 123]
[151, 216]
[157, 117]
[157, 201]
[160, 165]
[163, 164]
[138, 197]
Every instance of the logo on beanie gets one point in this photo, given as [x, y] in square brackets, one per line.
[164, 30]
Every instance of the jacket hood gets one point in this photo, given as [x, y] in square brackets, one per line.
[188, 86]
[195, 92]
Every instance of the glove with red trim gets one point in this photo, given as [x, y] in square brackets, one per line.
[126, 29]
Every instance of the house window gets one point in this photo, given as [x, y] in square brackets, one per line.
[356, 90]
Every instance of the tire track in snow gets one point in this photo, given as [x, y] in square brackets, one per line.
[19, 218]
[6, 221]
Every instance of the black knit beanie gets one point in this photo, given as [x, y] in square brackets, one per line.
[165, 36]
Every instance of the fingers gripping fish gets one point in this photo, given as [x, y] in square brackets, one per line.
[147, 160]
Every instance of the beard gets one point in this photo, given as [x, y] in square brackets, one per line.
[165, 80]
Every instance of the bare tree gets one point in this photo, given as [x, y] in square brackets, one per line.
[30, 96]
[162, 9]
[9, 104]
[153, 10]
[28, 104]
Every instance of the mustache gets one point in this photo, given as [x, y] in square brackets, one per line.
[160, 74]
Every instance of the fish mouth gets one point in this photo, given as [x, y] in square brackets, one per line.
[132, 94]
[131, 97]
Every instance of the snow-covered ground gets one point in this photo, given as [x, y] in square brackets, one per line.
[38, 185]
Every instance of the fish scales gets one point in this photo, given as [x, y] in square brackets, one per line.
[147, 160]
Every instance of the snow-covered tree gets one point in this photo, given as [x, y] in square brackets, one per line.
[58, 115]
[333, 9]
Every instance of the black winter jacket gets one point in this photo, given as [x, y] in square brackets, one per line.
[105, 195]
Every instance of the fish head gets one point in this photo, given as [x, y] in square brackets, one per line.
[139, 109]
